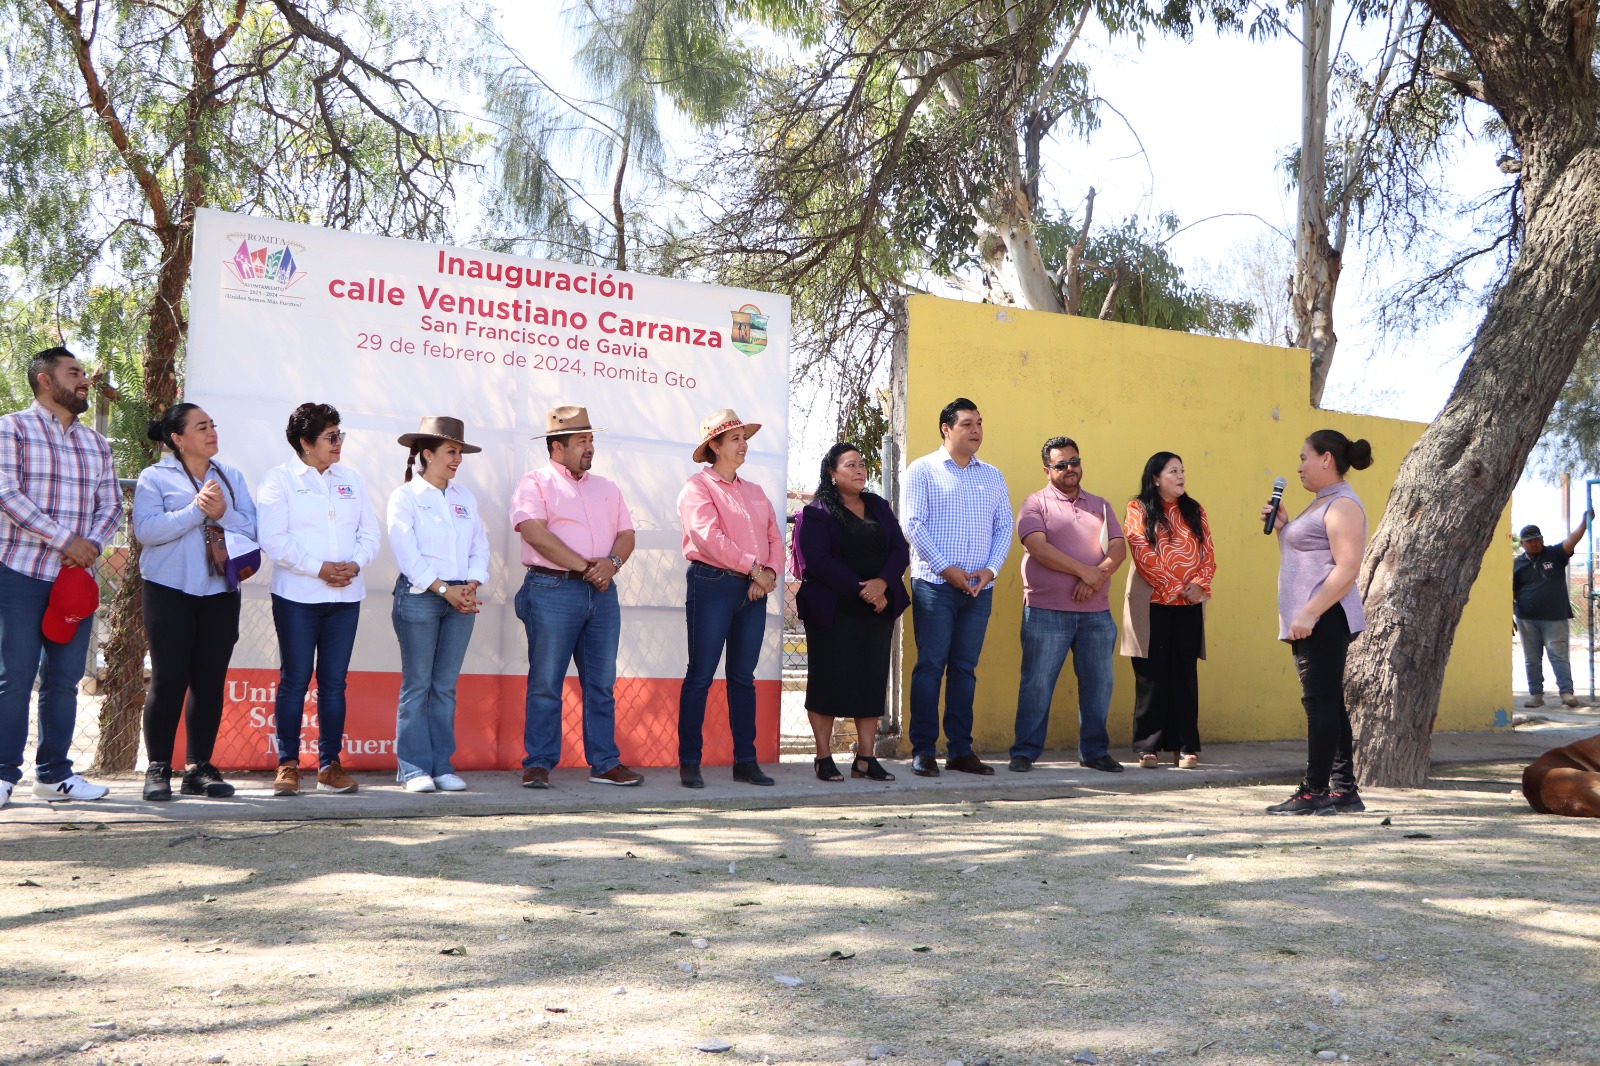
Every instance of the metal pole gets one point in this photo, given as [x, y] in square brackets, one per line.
[1588, 599]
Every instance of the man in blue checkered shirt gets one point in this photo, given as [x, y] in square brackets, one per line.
[956, 513]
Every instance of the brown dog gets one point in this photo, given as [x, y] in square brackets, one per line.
[1566, 780]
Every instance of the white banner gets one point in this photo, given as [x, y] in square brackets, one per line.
[388, 331]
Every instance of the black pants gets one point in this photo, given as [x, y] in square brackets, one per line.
[191, 640]
[1166, 693]
[1319, 659]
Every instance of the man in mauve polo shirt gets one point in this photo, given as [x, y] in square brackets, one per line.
[576, 534]
[1073, 543]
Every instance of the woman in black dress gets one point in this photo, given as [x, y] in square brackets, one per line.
[851, 558]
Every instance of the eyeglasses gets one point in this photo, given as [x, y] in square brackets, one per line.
[338, 436]
[1066, 464]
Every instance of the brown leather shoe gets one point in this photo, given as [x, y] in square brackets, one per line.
[969, 764]
[332, 778]
[287, 783]
[536, 777]
[617, 775]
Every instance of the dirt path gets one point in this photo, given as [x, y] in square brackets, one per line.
[1177, 926]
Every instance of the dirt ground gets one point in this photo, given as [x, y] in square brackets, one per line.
[1157, 928]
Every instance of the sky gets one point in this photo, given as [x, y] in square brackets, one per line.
[1198, 129]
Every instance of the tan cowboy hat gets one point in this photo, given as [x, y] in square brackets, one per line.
[715, 425]
[440, 427]
[564, 420]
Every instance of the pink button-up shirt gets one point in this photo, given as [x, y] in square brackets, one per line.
[585, 514]
[729, 524]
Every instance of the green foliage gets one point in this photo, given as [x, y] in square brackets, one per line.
[304, 112]
[1571, 439]
[1151, 289]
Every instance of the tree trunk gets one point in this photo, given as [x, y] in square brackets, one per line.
[122, 711]
[122, 708]
[1036, 289]
[1316, 263]
[1452, 489]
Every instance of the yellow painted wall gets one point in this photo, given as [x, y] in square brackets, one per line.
[1237, 413]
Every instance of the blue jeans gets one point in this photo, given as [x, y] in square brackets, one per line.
[1047, 637]
[569, 621]
[25, 654]
[433, 644]
[949, 627]
[1546, 637]
[720, 612]
[312, 634]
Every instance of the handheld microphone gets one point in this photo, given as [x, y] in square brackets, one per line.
[1277, 497]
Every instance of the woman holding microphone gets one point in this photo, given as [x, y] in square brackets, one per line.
[443, 553]
[181, 508]
[1320, 613]
[735, 554]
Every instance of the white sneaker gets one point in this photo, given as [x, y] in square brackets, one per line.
[420, 783]
[450, 783]
[73, 788]
[6, 788]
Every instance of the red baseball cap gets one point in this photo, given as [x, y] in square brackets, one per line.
[74, 595]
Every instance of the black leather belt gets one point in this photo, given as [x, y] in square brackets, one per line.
[568, 575]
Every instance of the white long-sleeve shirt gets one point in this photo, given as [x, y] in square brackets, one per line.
[306, 519]
[437, 535]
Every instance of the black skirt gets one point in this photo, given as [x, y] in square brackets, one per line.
[847, 665]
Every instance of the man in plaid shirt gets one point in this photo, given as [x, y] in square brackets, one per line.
[59, 505]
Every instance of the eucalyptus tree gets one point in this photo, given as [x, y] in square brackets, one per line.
[903, 148]
[586, 175]
[119, 119]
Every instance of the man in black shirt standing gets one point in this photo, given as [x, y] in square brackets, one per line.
[1542, 607]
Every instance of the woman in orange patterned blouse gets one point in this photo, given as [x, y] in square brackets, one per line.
[1163, 619]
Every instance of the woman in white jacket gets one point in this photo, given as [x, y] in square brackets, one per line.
[443, 553]
[318, 528]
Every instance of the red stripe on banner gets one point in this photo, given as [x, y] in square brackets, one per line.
[489, 717]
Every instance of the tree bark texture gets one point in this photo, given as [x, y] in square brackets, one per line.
[1447, 501]
[122, 707]
[1316, 263]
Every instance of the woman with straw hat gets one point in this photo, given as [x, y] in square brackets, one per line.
[443, 554]
[735, 554]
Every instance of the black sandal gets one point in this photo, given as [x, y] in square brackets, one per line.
[827, 770]
[874, 769]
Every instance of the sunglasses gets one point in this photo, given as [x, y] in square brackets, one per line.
[1066, 464]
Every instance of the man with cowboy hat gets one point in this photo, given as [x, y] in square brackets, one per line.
[576, 535]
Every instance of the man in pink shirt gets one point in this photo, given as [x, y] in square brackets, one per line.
[576, 534]
[1073, 544]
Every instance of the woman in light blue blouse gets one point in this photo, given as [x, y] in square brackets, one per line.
[443, 553]
[191, 616]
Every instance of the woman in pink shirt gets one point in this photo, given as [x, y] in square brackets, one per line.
[735, 553]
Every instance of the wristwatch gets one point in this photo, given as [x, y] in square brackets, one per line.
[442, 589]
[616, 561]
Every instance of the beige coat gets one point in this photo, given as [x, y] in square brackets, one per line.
[1136, 617]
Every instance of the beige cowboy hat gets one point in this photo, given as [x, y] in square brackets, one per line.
[440, 427]
[563, 420]
[715, 425]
